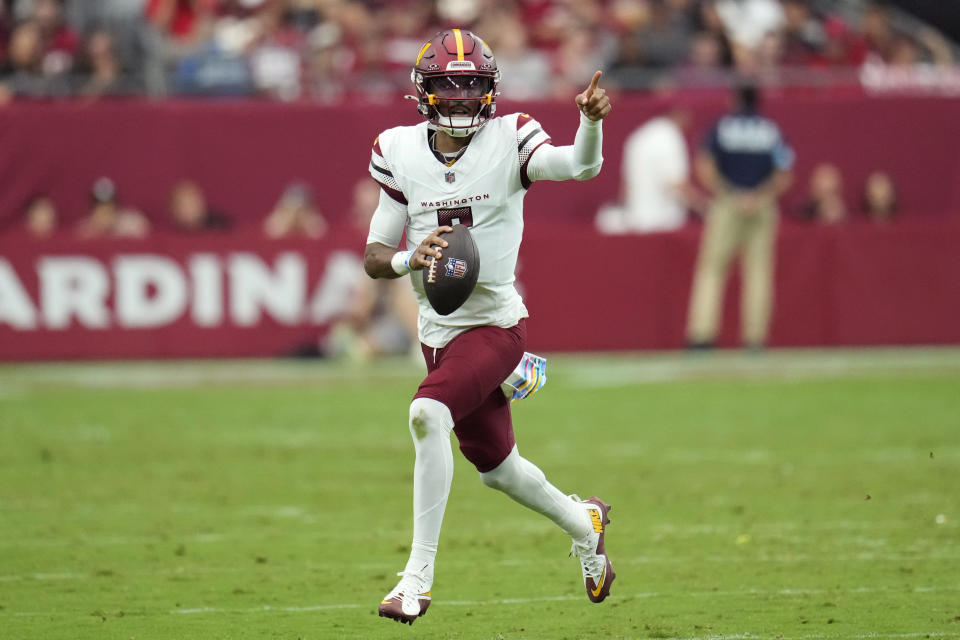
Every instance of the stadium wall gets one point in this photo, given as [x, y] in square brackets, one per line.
[244, 154]
[241, 295]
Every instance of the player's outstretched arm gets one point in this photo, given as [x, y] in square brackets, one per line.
[583, 159]
[382, 261]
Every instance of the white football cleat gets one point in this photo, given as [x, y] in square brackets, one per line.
[409, 600]
[598, 573]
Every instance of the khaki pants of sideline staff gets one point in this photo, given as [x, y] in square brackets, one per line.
[735, 225]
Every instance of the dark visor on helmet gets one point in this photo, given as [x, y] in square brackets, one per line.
[459, 86]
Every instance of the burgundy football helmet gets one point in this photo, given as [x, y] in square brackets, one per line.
[456, 77]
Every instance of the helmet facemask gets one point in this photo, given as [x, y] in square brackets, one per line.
[457, 104]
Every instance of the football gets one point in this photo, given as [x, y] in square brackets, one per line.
[449, 281]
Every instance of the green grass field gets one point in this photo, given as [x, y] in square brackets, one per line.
[796, 495]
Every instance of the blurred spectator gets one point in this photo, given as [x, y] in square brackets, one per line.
[124, 19]
[295, 215]
[654, 37]
[747, 23]
[185, 44]
[183, 22]
[25, 75]
[372, 75]
[804, 36]
[525, 72]
[6, 24]
[843, 46]
[925, 47]
[575, 60]
[60, 44]
[937, 48]
[878, 33]
[704, 62]
[880, 201]
[107, 218]
[189, 211]
[825, 202]
[327, 64]
[40, 217]
[625, 67]
[666, 37]
[460, 11]
[103, 72]
[406, 23]
[768, 56]
[655, 178]
[275, 56]
[746, 164]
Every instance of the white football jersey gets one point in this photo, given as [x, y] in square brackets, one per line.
[483, 190]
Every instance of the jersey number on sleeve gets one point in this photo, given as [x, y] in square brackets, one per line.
[459, 215]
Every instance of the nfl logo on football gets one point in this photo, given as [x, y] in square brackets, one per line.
[456, 268]
[450, 176]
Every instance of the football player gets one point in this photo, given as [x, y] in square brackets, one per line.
[464, 165]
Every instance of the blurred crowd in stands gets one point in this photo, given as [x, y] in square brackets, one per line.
[295, 214]
[329, 51]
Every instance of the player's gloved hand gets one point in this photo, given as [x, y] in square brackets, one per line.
[594, 102]
[527, 378]
[431, 247]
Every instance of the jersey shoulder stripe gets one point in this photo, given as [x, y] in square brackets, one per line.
[382, 172]
[530, 137]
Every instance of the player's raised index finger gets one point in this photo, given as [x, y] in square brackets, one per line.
[594, 82]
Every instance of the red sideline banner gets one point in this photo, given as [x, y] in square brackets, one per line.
[853, 285]
[236, 296]
[171, 297]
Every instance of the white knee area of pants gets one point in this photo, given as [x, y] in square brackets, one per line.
[429, 419]
[511, 473]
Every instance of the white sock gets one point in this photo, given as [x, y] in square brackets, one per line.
[430, 425]
[524, 482]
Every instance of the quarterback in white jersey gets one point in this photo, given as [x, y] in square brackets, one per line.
[463, 165]
[483, 189]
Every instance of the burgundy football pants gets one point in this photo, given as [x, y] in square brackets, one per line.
[465, 376]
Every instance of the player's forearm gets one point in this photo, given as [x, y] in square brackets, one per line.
[377, 261]
[588, 148]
